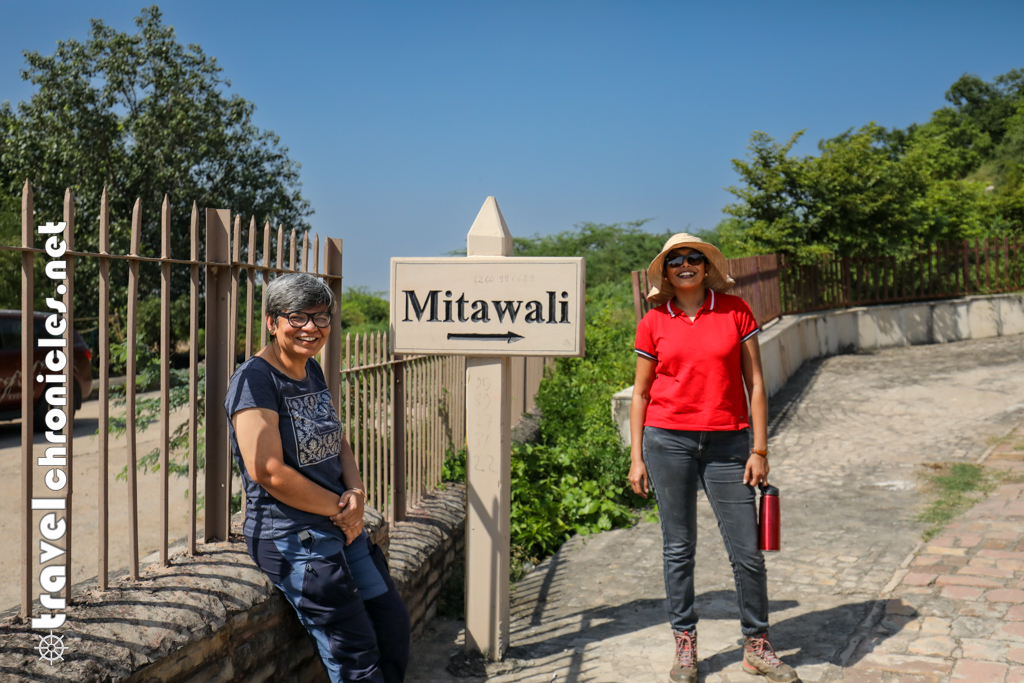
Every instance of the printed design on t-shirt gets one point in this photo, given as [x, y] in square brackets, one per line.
[316, 427]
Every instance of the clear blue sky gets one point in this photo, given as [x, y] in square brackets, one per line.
[406, 115]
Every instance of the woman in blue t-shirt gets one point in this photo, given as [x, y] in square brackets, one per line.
[690, 426]
[305, 498]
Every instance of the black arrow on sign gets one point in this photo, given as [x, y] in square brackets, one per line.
[508, 337]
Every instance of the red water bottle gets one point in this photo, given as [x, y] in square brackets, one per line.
[768, 519]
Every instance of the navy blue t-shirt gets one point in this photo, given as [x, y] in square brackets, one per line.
[310, 438]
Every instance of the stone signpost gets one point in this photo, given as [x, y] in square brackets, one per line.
[488, 306]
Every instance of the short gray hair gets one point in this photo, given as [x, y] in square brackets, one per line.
[297, 292]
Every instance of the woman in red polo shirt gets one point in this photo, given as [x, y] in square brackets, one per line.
[691, 426]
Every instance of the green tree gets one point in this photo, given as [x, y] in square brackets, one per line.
[364, 311]
[142, 115]
[611, 250]
[873, 190]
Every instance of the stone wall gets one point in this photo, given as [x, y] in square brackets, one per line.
[216, 618]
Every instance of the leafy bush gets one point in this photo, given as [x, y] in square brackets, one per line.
[575, 399]
[552, 499]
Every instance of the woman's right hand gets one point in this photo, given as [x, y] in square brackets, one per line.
[638, 477]
[350, 518]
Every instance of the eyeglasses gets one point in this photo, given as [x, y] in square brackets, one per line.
[299, 319]
[693, 259]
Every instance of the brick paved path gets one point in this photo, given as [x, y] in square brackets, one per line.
[849, 436]
[957, 610]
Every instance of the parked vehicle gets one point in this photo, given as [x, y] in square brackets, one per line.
[10, 368]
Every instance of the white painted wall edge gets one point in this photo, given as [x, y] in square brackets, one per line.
[787, 342]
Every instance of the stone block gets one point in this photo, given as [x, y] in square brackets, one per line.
[939, 646]
[823, 333]
[961, 593]
[918, 579]
[945, 323]
[975, 671]
[218, 672]
[984, 649]
[976, 581]
[621, 402]
[1012, 595]
[771, 364]
[1013, 630]
[900, 607]
[845, 332]
[789, 350]
[917, 324]
[867, 331]
[984, 318]
[934, 666]
[889, 327]
[1011, 315]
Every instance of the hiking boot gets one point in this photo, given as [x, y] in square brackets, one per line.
[759, 660]
[684, 667]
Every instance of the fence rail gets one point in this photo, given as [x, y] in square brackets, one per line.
[400, 414]
[941, 271]
[774, 285]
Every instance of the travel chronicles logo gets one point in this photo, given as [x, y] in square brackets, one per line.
[52, 526]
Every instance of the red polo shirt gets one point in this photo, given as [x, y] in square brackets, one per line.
[698, 382]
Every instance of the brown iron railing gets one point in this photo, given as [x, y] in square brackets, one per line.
[431, 392]
[400, 415]
[775, 285]
[942, 271]
[224, 270]
[757, 283]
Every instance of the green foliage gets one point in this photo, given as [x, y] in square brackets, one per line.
[553, 497]
[140, 115]
[454, 466]
[147, 413]
[876, 190]
[612, 251]
[364, 311]
[148, 320]
[958, 488]
[574, 400]
[10, 261]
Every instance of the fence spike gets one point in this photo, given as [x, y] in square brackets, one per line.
[280, 246]
[136, 227]
[165, 228]
[292, 248]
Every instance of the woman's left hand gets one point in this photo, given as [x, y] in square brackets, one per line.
[757, 470]
[350, 518]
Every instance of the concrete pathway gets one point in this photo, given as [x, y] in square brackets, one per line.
[849, 438]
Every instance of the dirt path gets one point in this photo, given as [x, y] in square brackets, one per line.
[85, 551]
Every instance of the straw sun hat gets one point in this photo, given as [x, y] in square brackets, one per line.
[716, 272]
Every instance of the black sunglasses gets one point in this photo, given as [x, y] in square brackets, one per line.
[299, 319]
[677, 260]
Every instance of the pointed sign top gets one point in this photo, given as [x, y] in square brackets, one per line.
[489, 235]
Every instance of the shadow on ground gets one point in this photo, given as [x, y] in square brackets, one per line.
[819, 637]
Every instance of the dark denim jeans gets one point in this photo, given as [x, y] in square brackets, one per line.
[677, 462]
